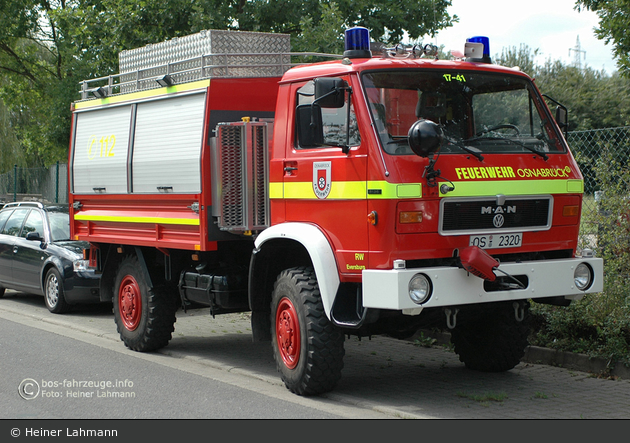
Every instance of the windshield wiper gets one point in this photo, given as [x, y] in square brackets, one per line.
[516, 142]
[460, 144]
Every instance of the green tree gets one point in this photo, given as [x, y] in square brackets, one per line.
[595, 99]
[614, 21]
[48, 46]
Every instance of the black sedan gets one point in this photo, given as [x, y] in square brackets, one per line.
[37, 256]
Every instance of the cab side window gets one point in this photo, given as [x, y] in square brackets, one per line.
[334, 120]
[15, 221]
[34, 223]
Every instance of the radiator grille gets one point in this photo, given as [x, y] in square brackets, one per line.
[495, 215]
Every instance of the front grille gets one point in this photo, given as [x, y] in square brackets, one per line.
[498, 214]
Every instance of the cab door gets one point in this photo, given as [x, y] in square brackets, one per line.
[325, 179]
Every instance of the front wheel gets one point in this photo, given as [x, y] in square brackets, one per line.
[307, 347]
[144, 316]
[53, 293]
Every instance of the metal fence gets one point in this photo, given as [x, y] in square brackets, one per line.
[587, 147]
[48, 185]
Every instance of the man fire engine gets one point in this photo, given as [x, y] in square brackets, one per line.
[379, 193]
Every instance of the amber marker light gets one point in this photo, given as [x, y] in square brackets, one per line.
[571, 211]
[373, 218]
[410, 217]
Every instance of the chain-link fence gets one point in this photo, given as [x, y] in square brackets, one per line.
[48, 185]
[587, 147]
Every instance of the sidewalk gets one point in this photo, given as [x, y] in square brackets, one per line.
[396, 377]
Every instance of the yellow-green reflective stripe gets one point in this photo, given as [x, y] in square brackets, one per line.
[143, 94]
[516, 187]
[346, 190]
[153, 220]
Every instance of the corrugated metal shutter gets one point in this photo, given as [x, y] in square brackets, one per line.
[167, 146]
[101, 144]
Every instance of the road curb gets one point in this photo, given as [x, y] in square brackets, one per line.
[578, 362]
[550, 357]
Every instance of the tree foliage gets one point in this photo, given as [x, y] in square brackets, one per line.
[48, 46]
[614, 21]
[595, 99]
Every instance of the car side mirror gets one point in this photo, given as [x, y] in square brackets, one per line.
[34, 236]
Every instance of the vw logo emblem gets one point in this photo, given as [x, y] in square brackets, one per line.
[498, 220]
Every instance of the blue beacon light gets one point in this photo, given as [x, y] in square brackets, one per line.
[357, 43]
[485, 41]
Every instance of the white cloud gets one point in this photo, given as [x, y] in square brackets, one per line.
[551, 26]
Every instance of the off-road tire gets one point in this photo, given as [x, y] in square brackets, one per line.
[491, 341]
[307, 347]
[54, 296]
[145, 317]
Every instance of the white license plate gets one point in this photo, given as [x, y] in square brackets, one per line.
[495, 241]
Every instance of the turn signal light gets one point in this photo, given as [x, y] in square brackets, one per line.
[410, 217]
[373, 218]
[571, 211]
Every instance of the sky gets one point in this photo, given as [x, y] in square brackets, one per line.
[551, 26]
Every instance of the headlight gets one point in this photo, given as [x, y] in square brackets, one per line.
[583, 276]
[80, 265]
[420, 288]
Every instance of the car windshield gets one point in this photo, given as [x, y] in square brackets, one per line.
[59, 225]
[478, 112]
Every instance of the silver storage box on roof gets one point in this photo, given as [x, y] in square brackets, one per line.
[210, 53]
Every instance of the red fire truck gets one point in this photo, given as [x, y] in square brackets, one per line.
[381, 192]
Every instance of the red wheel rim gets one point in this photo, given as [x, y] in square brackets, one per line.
[288, 333]
[130, 302]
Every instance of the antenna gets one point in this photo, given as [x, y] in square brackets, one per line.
[577, 59]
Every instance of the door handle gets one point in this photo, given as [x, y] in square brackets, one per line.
[290, 168]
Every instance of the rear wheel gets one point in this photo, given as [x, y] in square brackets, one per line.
[491, 340]
[144, 316]
[307, 347]
[53, 293]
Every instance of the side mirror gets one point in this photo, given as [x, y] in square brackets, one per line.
[425, 137]
[562, 118]
[562, 115]
[34, 236]
[330, 92]
[310, 129]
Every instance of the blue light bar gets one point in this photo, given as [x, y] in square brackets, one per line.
[485, 41]
[357, 43]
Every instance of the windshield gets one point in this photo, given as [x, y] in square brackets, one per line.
[478, 112]
[59, 225]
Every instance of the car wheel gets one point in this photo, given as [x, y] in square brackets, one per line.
[53, 293]
[1, 292]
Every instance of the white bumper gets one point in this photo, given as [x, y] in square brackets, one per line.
[388, 289]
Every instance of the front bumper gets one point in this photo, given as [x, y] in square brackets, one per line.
[82, 288]
[388, 289]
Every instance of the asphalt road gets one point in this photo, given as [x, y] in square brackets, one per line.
[211, 368]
